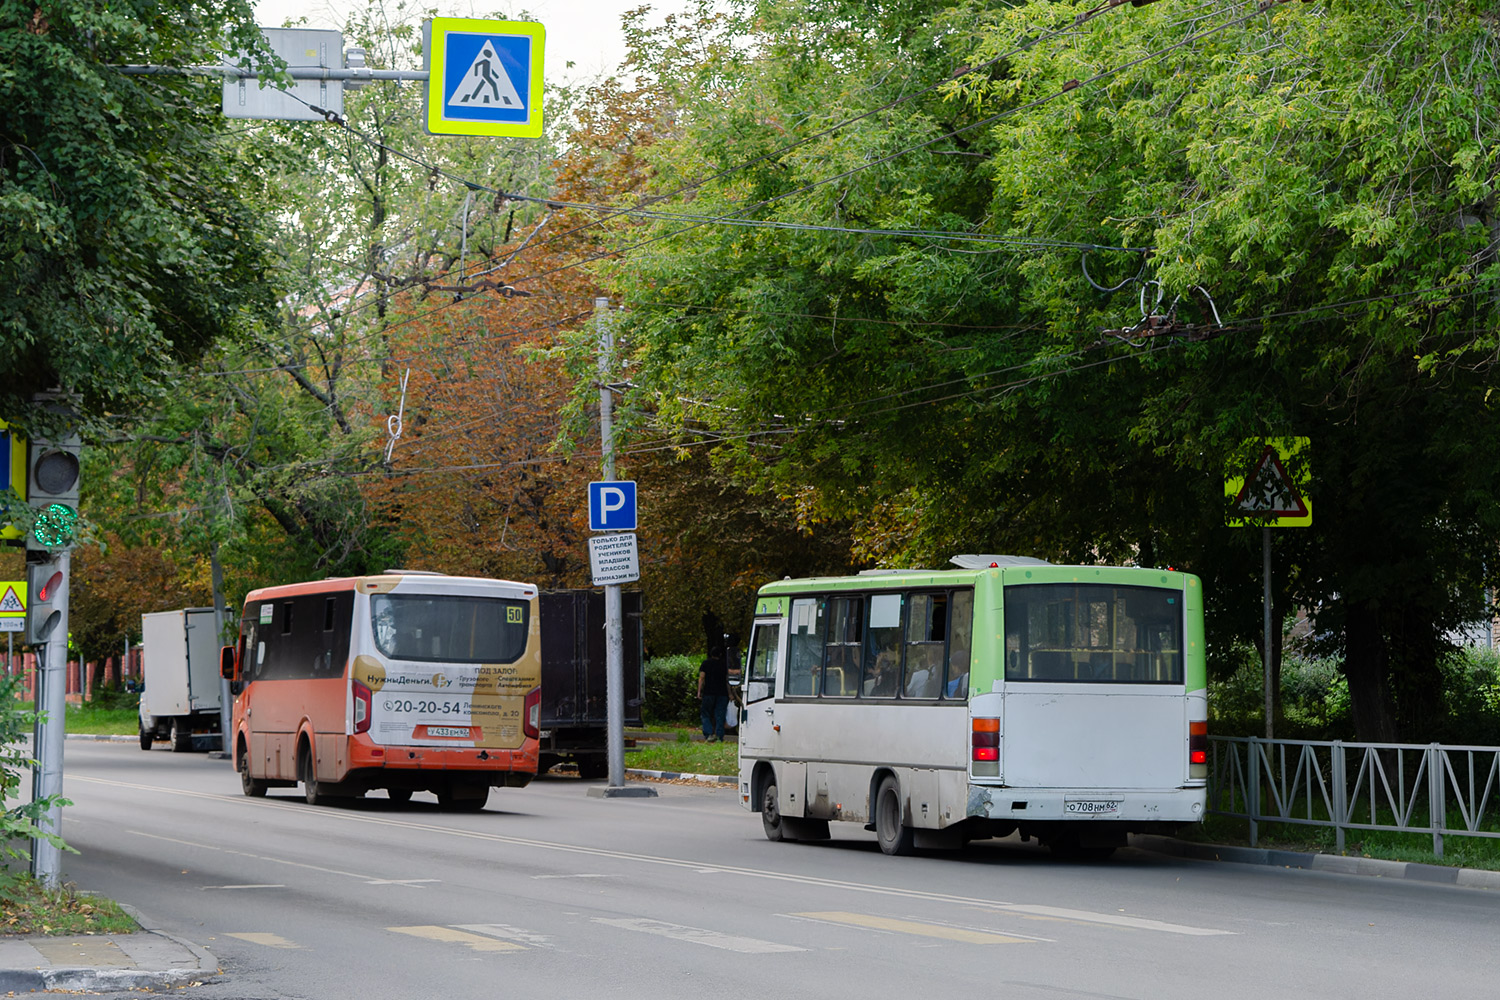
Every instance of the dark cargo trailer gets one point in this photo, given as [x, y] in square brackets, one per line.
[575, 722]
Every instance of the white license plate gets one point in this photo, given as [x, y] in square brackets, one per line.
[1091, 807]
[447, 731]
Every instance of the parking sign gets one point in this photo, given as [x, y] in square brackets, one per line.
[612, 506]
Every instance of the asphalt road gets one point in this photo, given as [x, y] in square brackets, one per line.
[551, 893]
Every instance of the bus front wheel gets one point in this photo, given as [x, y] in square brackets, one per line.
[770, 813]
[254, 787]
[895, 836]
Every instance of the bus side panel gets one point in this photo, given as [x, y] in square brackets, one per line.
[791, 788]
[332, 755]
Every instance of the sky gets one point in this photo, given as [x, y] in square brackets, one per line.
[584, 32]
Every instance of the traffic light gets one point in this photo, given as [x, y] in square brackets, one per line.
[52, 490]
[46, 598]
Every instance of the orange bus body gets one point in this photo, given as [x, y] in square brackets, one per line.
[405, 682]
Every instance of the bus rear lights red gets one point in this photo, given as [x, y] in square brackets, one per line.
[377, 752]
[362, 705]
[1197, 742]
[986, 753]
[532, 727]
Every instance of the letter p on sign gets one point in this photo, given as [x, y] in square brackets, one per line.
[612, 506]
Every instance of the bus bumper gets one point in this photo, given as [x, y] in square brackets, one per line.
[483, 765]
[1136, 808]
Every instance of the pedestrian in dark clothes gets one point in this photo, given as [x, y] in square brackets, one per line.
[713, 694]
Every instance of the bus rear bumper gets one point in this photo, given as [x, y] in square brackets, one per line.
[1136, 808]
[418, 766]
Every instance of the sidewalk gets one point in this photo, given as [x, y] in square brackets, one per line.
[1339, 863]
[99, 963]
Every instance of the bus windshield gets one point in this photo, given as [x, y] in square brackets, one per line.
[449, 628]
[1093, 633]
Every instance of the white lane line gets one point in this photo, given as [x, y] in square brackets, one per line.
[509, 933]
[616, 875]
[367, 879]
[412, 882]
[265, 886]
[698, 935]
[599, 852]
[1111, 919]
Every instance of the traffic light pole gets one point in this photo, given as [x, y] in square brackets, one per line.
[52, 705]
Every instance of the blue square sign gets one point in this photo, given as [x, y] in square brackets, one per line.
[484, 77]
[612, 506]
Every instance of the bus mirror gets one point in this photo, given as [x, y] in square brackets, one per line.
[226, 663]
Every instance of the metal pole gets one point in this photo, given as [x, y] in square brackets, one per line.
[46, 860]
[614, 633]
[1266, 556]
[216, 575]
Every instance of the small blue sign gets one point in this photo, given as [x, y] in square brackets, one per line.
[612, 506]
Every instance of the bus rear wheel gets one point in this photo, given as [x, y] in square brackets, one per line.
[462, 799]
[400, 796]
[895, 837]
[311, 788]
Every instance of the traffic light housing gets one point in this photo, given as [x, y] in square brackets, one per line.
[46, 594]
[52, 471]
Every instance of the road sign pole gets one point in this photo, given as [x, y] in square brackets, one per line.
[1270, 692]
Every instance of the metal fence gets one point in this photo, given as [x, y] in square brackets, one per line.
[1433, 789]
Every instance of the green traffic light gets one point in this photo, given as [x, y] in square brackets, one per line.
[56, 525]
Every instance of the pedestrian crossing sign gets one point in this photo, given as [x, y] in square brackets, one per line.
[484, 77]
[12, 605]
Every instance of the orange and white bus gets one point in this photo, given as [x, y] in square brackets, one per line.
[408, 681]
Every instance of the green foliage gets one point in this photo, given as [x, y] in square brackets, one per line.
[27, 907]
[19, 822]
[671, 693]
[125, 243]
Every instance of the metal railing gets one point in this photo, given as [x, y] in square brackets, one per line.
[1407, 788]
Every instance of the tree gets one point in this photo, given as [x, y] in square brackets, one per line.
[907, 291]
[125, 246]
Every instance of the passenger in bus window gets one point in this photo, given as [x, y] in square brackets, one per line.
[882, 680]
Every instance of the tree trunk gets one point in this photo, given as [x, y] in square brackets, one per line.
[1365, 666]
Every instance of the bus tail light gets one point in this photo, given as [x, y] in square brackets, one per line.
[532, 726]
[362, 705]
[984, 742]
[1197, 749]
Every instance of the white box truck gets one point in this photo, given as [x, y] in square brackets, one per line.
[180, 668]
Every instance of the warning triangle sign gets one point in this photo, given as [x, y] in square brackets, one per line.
[486, 84]
[11, 603]
[1269, 491]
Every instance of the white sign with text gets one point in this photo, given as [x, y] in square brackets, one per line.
[614, 559]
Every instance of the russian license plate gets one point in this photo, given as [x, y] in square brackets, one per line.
[461, 733]
[1091, 807]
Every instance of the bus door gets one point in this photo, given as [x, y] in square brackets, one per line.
[1094, 687]
[758, 690]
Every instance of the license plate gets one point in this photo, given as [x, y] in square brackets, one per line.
[448, 731]
[1091, 807]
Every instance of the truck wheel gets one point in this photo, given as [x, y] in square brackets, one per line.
[147, 737]
[253, 787]
[182, 736]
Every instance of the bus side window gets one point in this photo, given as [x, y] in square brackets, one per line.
[926, 631]
[882, 675]
[960, 644]
[846, 618]
[805, 648]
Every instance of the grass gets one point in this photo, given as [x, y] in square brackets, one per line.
[101, 720]
[27, 908]
[684, 753]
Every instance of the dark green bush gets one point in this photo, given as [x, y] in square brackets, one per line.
[671, 695]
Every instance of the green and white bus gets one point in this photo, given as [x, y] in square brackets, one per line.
[1068, 703]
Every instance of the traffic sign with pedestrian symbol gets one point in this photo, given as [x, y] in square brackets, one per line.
[484, 77]
[12, 605]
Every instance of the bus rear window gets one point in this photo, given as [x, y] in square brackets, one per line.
[1093, 634]
[449, 628]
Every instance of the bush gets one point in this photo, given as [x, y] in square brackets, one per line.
[671, 695]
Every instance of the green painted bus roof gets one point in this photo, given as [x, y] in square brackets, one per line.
[1032, 573]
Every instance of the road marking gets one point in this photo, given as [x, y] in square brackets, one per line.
[510, 933]
[962, 935]
[267, 886]
[698, 935]
[269, 940]
[578, 876]
[452, 935]
[1111, 919]
[413, 882]
[648, 859]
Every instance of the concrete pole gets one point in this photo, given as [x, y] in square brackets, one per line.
[52, 677]
[226, 706]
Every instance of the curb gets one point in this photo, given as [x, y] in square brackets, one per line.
[717, 779]
[101, 737]
[1336, 863]
[77, 979]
